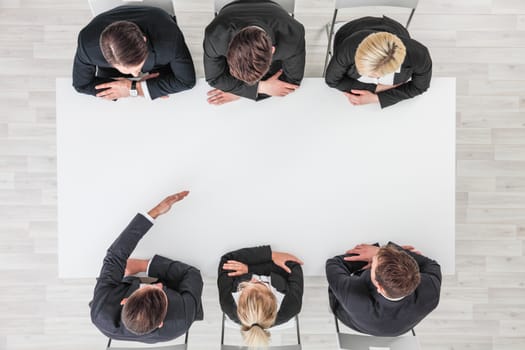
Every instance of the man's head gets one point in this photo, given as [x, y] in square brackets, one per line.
[250, 54]
[124, 47]
[394, 273]
[145, 309]
[379, 54]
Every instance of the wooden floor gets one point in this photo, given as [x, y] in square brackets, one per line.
[481, 42]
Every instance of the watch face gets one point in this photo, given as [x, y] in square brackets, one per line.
[133, 93]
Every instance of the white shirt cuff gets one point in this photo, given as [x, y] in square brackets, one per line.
[147, 216]
[147, 269]
[145, 90]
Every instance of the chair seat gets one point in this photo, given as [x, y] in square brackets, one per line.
[366, 342]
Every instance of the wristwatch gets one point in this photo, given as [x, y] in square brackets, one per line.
[133, 91]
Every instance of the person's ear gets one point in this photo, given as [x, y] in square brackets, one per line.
[273, 50]
[123, 301]
[145, 38]
[161, 324]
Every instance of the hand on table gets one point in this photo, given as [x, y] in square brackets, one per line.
[164, 206]
[114, 89]
[280, 260]
[382, 87]
[219, 97]
[238, 268]
[275, 87]
[361, 97]
[365, 252]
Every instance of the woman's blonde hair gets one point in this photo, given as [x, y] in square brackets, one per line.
[257, 311]
[379, 53]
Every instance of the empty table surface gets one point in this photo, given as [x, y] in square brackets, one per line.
[308, 173]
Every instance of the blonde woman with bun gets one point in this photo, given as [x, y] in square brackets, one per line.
[375, 60]
[259, 289]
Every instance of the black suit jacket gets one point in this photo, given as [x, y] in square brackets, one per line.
[168, 53]
[182, 284]
[259, 261]
[342, 73]
[355, 300]
[286, 33]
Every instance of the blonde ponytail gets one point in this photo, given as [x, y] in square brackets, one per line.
[257, 311]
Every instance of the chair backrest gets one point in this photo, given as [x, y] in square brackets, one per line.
[279, 347]
[129, 345]
[99, 6]
[368, 342]
[349, 341]
[342, 4]
[292, 323]
[287, 5]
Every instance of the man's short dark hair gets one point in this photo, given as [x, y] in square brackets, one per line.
[144, 310]
[123, 43]
[250, 55]
[396, 272]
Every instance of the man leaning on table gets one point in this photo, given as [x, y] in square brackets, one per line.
[123, 308]
[132, 51]
[253, 49]
[382, 291]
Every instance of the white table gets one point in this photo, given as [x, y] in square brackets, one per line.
[309, 173]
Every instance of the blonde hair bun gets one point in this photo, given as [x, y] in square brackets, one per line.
[379, 54]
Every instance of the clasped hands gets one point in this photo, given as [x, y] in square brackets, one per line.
[363, 97]
[238, 268]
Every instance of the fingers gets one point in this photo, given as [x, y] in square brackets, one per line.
[178, 196]
[354, 258]
[295, 259]
[103, 86]
[237, 268]
[150, 76]
[214, 92]
[284, 267]
[359, 92]
[165, 97]
[216, 97]
[219, 97]
[407, 247]
[277, 75]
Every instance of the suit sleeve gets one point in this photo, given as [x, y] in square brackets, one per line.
[116, 257]
[293, 67]
[293, 300]
[336, 73]
[184, 279]
[419, 83]
[180, 74]
[225, 283]
[84, 72]
[345, 287]
[218, 74]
